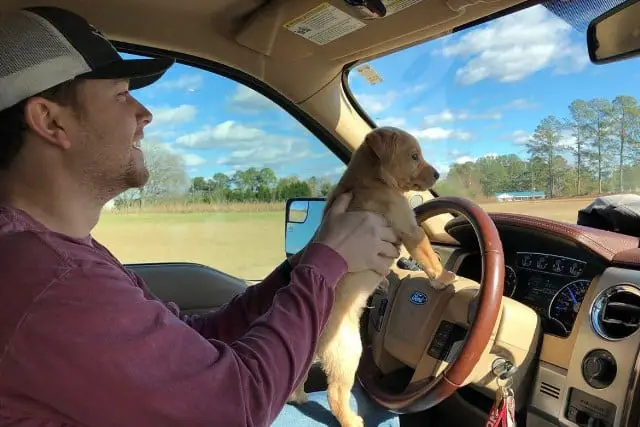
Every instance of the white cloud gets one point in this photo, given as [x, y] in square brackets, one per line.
[516, 46]
[171, 116]
[247, 100]
[446, 116]
[519, 137]
[191, 159]
[374, 104]
[377, 103]
[246, 146]
[441, 117]
[439, 133]
[567, 139]
[188, 82]
[229, 134]
[464, 159]
[520, 104]
[442, 168]
[271, 152]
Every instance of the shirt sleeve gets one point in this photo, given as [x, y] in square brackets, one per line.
[95, 349]
[231, 321]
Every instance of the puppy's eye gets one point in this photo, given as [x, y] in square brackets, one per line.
[415, 157]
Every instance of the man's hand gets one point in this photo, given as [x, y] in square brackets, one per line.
[361, 238]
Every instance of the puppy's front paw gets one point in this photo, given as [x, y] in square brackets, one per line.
[447, 277]
[443, 280]
[298, 397]
[437, 285]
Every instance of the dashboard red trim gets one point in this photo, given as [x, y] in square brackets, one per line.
[616, 248]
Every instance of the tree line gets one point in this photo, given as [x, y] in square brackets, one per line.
[169, 183]
[254, 185]
[594, 149]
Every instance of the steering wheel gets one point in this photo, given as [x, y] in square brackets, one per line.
[481, 304]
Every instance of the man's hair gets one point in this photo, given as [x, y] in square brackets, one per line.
[13, 124]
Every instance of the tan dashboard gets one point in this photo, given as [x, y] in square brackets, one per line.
[583, 372]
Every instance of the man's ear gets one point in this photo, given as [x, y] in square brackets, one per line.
[383, 143]
[47, 119]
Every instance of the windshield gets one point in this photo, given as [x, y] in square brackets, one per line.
[513, 113]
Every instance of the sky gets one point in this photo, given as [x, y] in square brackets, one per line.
[478, 92]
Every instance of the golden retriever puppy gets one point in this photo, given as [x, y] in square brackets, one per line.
[388, 163]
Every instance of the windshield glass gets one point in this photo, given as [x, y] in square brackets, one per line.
[513, 113]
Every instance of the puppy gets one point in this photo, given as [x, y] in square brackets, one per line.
[388, 163]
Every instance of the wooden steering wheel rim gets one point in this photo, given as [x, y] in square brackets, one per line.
[424, 394]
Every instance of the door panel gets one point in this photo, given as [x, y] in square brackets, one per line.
[195, 288]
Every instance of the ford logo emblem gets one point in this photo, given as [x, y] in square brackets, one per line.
[418, 298]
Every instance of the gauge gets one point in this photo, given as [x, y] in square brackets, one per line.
[566, 303]
[576, 269]
[558, 265]
[510, 281]
[542, 263]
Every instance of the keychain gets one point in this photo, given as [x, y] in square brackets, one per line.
[502, 413]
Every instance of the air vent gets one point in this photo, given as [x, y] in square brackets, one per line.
[615, 313]
[550, 390]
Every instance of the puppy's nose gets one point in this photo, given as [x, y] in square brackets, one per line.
[436, 175]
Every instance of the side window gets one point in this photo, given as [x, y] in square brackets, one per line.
[223, 159]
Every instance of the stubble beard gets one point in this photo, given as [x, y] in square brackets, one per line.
[110, 183]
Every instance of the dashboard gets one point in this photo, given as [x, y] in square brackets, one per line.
[571, 322]
[551, 284]
[584, 285]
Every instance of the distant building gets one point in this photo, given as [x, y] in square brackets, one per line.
[517, 196]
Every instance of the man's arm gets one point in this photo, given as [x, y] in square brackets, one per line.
[232, 320]
[95, 349]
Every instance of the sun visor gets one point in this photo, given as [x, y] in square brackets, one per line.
[290, 30]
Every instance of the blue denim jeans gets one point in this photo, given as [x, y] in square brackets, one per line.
[316, 412]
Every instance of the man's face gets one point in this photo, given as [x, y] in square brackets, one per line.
[105, 137]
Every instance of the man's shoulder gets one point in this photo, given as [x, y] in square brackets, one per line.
[29, 252]
[25, 240]
[44, 249]
[31, 259]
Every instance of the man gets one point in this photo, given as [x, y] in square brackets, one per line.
[82, 340]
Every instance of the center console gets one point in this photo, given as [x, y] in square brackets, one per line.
[599, 386]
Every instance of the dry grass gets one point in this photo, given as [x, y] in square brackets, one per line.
[248, 245]
[246, 240]
[178, 207]
[557, 209]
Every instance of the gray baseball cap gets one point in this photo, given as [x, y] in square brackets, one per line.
[41, 47]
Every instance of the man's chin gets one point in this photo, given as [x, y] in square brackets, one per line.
[137, 178]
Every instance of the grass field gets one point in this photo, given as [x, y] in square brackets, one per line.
[245, 242]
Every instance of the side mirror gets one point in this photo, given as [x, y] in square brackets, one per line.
[303, 216]
[615, 35]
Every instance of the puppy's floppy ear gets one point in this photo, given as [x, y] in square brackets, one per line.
[382, 142]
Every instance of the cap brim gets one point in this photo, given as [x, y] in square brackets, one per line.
[140, 72]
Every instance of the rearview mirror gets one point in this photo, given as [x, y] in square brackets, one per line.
[303, 216]
[615, 35]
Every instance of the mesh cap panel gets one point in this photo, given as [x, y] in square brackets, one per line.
[34, 56]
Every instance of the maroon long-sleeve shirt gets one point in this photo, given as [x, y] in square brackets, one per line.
[84, 343]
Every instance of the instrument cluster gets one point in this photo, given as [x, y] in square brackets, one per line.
[552, 285]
